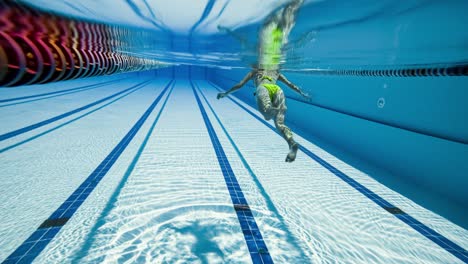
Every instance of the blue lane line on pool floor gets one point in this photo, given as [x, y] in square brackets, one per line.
[54, 96]
[56, 92]
[255, 243]
[17, 144]
[40, 238]
[56, 118]
[270, 205]
[424, 230]
[112, 203]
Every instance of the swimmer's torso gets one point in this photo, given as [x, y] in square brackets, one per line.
[265, 76]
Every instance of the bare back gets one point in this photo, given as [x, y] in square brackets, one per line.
[265, 76]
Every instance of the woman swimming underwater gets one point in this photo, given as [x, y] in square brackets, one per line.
[269, 96]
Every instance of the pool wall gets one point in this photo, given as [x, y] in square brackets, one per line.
[409, 133]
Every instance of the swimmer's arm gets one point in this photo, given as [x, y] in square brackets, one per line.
[292, 86]
[244, 41]
[237, 86]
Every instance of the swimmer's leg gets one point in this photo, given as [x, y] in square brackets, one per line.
[280, 103]
[288, 16]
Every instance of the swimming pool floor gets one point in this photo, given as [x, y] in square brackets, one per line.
[136, 169]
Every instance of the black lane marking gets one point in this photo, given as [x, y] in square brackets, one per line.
[424, 230]
[56, 118]
[61, 91]
[252, 235]
[33, 246]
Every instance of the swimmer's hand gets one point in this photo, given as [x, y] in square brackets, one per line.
[221, 95]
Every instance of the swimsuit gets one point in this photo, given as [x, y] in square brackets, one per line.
[271, 87]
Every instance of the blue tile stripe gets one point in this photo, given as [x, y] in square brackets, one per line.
[112, 203]
[52, 96]
[40, 238]
[61, 91]
[271, 206]
[56, 118]
[17, 144]
[253, 237]
[424, 230]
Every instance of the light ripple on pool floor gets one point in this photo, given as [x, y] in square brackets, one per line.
[178, 235]
[175, 206]
[331, 219]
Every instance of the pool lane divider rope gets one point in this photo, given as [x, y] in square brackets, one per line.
[271, 206]
[423, 229]
[430, 71]
[253, 237]
[94, 85]
[40, 238]
[69, 113]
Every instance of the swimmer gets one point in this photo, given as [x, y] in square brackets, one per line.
[271, 102]
[269, 96]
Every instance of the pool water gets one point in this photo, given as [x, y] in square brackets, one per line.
[149, 167]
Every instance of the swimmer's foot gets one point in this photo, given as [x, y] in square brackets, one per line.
[292, 152]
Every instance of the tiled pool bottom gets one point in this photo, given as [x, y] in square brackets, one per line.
[159, 171]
